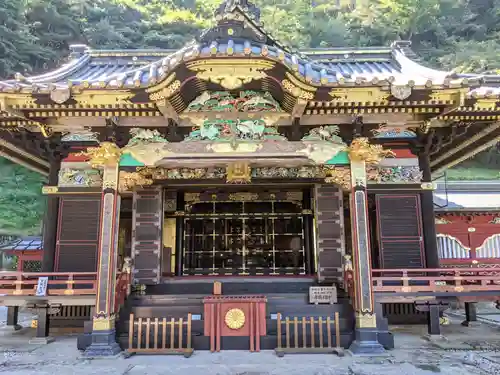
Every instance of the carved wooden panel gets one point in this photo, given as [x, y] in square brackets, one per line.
[330, 241]
[78, 234]
[147, 217]
[399, 224]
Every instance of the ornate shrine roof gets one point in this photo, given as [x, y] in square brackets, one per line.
[455, 115]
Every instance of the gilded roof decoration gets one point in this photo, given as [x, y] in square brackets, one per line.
[231, 74]
[223, 101]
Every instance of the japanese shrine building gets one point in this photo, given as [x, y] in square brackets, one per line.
[236, 158]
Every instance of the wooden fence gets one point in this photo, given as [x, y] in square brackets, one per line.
[312, 330]
[448, 280]
[59, 283]
[160, 336]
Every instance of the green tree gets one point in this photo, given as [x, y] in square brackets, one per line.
[21, 201]
[16, 41]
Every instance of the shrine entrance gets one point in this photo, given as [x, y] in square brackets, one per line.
[246, 233]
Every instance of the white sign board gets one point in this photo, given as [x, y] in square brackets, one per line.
[41, 286]
[322, 294]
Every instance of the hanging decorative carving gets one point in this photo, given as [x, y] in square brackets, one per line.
[283, 172]
[231, 74]
[239, 173]
[144, 136]
[233, 130]
[243, 197]
[399, 174]
[361, 150]
[390, 132]
[107, 154]
[80, 177]
[401, 92]
[338, 175]
[222, 101]
[83, 136]
[322, 144]
[147, 146]
[441, 220]
[129, 180]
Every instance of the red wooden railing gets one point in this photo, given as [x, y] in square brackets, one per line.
[59, 283]
[436, 280]
[122, 289]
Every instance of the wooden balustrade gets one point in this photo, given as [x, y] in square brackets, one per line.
[435, 280]
[312, 331]
[59, 283]
[167, 336]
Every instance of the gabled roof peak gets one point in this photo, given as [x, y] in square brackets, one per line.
[228, 7]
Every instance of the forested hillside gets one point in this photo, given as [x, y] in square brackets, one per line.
[451, 34]
[35, 36]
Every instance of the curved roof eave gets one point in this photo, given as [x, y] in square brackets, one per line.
[421, 75]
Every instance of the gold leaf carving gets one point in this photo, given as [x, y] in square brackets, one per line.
[235, 318]
[239, 173]
[296, 91]
[129, 180]
[231, 74]
[359, 95]
[338, 175]
[361, 150]
[106, 154]
[166, 92]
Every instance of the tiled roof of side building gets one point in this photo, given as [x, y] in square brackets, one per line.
[24, 243]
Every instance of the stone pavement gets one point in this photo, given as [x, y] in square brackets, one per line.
[468, 351]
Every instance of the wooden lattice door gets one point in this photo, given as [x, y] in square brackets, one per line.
[147, 218]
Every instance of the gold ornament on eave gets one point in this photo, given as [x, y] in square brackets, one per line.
[361, 150]
[107, 154]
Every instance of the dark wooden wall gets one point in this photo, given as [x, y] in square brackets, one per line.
[78, 233]
[329, 233]
[399, 224]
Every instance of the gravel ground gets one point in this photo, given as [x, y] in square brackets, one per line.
[413, 356]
